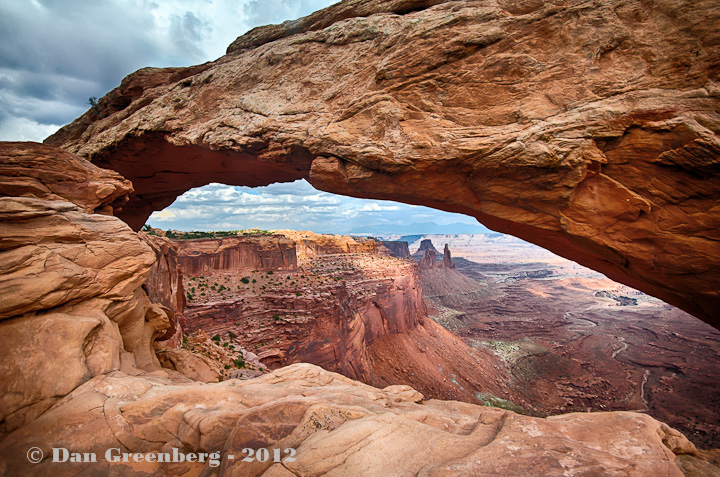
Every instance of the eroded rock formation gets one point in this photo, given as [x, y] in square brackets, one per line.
[447, 261]
[397, 248]
[71, 299]
[349, 308]
[79, 371]
[237, 255]
[588, 129]
[336, 425]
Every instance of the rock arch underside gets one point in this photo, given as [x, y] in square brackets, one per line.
[588, 128]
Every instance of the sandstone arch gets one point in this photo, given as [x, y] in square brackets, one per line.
[588, 129]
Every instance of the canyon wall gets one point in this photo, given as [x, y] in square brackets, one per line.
[309, 243]
[331, 323]
[237, 254]
[397, 248]
[588, 129]
[164, 284]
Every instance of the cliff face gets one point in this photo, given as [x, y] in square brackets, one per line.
[425, 245]
[354, 313]
[328, 312]
[590, 130]
[397, 248]
[164, 284]
[310, 244]
[237, 255]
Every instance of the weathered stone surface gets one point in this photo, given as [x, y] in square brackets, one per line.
[337, 427]
[164, 284]
[44, 172]
[237, 255]
[309, 244]
[71, 302]
[588, 129]
[425, 244]
[447, 261]
[47, 356]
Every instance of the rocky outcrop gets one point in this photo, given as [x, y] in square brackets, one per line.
[237, 255]
[447, 261]
[327, 313]
[428, 256]
[310, 244]
[588, 129]
[428, 260]
[334, 426]
[396, 248]
[71, 299]
[164, 284]
[79, 371]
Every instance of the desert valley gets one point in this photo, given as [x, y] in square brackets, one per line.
[545, 335]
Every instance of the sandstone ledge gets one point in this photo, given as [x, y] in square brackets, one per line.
[338, 427]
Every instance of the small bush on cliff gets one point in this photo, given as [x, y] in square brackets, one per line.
[216, 338]
[239, 363]
[245, 280]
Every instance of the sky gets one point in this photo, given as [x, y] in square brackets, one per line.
[55, 54]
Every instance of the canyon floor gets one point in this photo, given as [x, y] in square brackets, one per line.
[574, 340]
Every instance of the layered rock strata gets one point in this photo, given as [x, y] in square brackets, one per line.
[588, 129]
[79, 372]
[72, 304]
[237, 255]
[397, 248]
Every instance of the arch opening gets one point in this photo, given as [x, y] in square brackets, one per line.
[571, 339]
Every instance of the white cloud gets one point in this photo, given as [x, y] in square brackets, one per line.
[300, 207]
[24, 129]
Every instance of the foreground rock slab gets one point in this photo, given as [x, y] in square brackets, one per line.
[337, 426]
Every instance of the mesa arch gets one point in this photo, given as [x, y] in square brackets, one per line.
[591, 131]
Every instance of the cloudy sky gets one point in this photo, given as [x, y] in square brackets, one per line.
[55, 54]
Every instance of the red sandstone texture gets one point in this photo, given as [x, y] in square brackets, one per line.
[237, 255]
[588, 129]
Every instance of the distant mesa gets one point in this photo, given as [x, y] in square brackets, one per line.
[426, 244]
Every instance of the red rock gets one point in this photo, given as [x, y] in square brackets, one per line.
[590, 130]
[237, 255]
[336, 426]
